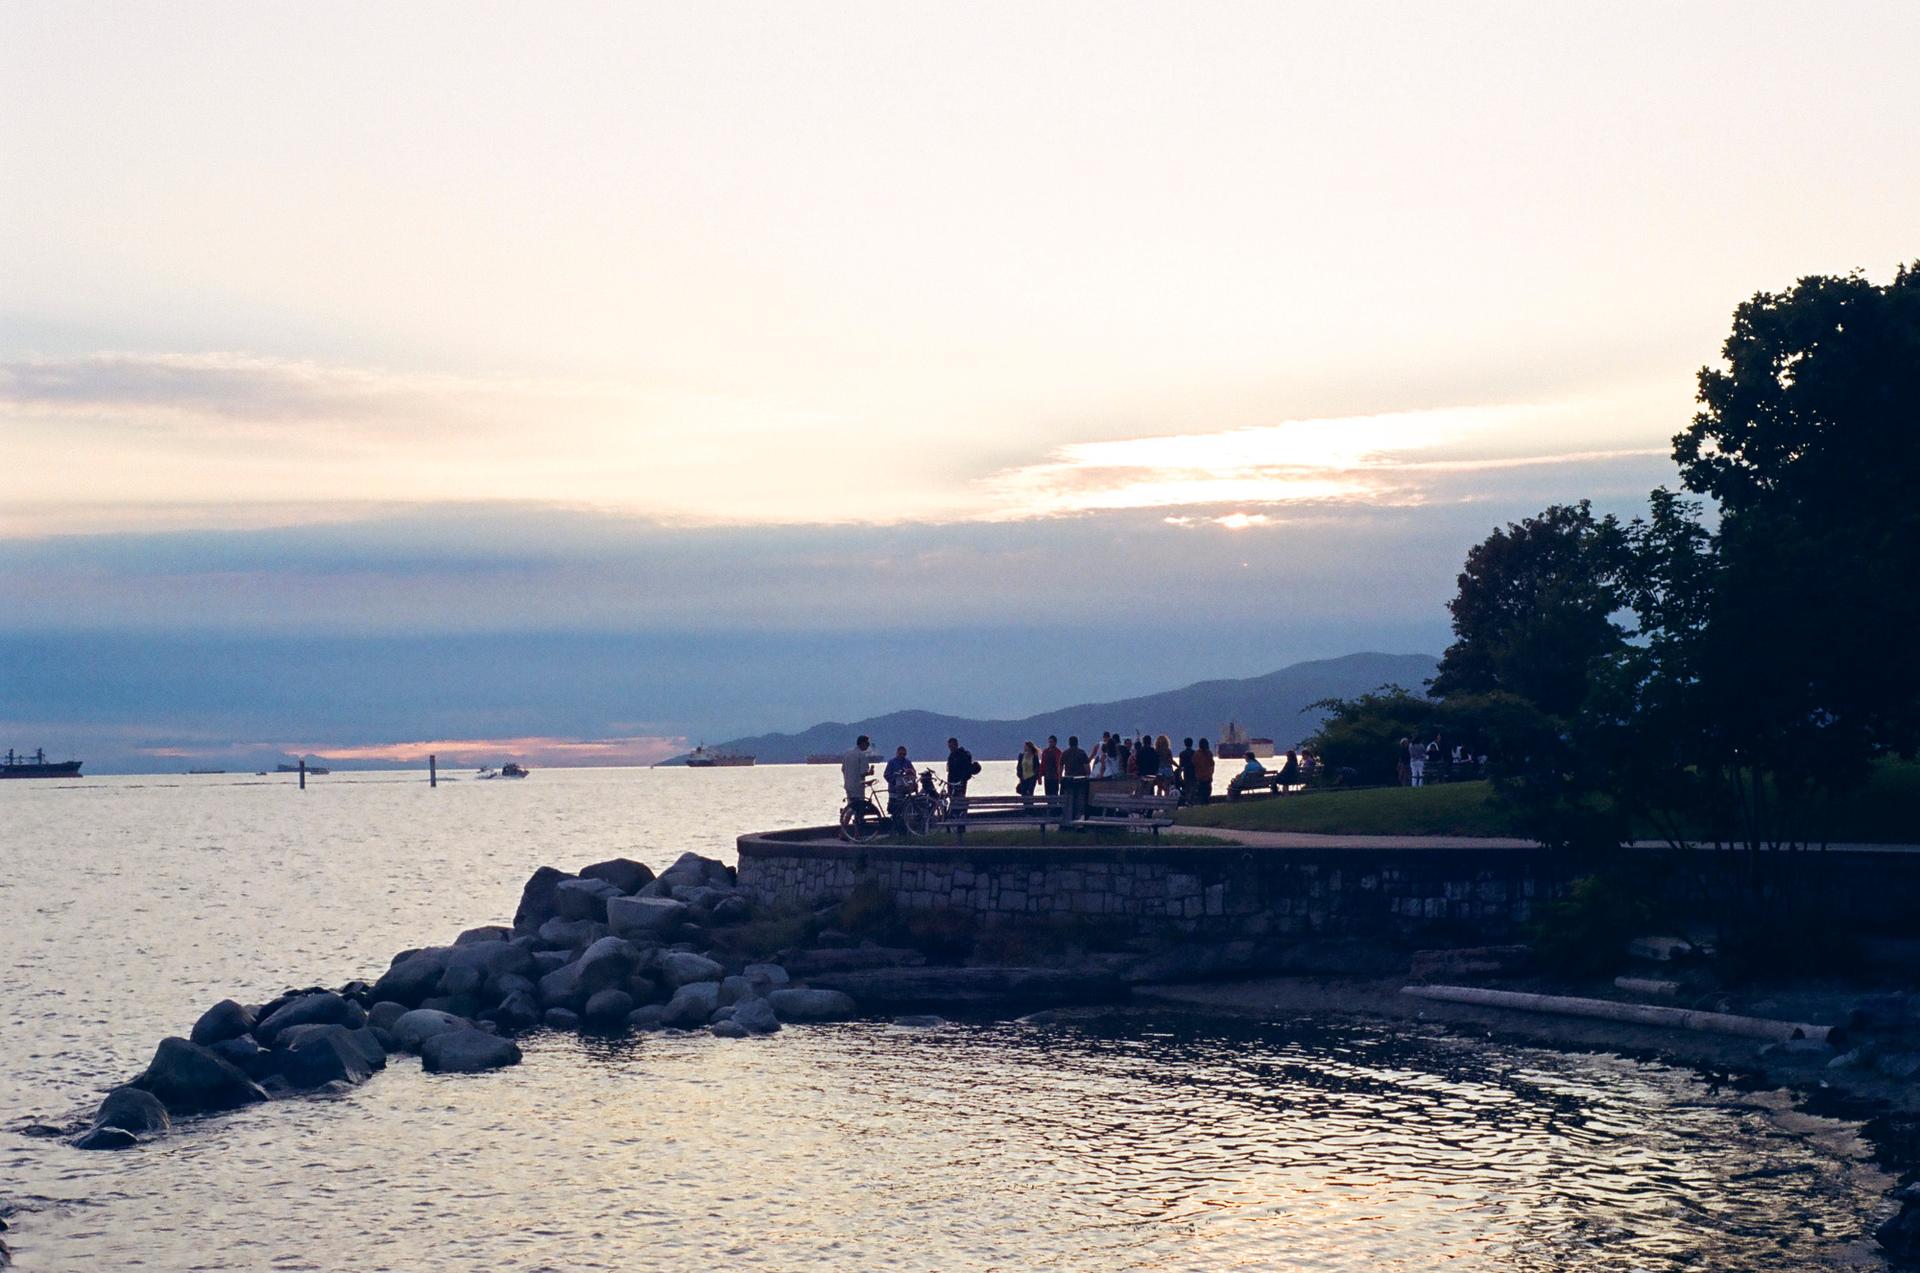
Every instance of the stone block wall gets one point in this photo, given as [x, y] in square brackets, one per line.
[1223, 893]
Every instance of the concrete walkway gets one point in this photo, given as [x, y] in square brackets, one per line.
[1305, 840]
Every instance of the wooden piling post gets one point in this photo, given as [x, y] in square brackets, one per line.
[303, 773]
[433, 770]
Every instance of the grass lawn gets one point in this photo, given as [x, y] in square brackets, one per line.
[1885, 811]
[1455, 808]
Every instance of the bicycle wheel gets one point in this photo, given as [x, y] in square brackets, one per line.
[916, 817]
[858, 829]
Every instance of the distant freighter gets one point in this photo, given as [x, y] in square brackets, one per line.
[701, 758]
[823, 758]
[37, 766]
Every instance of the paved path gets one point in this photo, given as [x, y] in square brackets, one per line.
[1304, 840]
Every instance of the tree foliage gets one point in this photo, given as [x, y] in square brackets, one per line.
[1535, 610]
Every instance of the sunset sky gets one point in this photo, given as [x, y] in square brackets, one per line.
[760, 364]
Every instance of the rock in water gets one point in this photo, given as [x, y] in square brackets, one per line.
[105, 1138]
[756, 1016]
[518, 1011]
[920, 1021]
[623, 873]
[131, 1110]
[382, 1015]
[191, 1080]
[317, 1055]
[224, 1020]
[413, 1030]
[646, 1017]
[692, 1004]
[246, 1056]
[683, 967]
[412, 979]
[766, 977]
[1901, 1235]
[572, 934]
[607, 1009]
[727, 1030]
[467, 1052]
[645, 918]
[536, 900]
[491, 932]
[692, 869]
[364, 1041]
[560, 1019]
[608, 962]
[325, 1008]
[811, 1005]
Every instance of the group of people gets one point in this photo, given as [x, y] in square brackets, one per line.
[1417, 754]
[1057, 772]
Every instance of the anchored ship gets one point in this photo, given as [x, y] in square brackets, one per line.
[37, 766]
[1235, 745]
[703, 758]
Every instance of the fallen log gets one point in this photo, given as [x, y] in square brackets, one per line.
[1634, 1013]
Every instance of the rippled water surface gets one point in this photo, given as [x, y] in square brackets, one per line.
[1127, 1139]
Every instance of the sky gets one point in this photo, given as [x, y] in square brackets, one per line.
[745, 366]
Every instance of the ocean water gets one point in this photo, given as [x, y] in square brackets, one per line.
[1120, 1139]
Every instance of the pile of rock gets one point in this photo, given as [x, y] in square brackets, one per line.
[612, 947]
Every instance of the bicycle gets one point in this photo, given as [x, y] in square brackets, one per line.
[920, 810]
[863, 822]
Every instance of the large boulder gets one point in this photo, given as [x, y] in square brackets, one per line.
[794, 1004]
[520, 1010]
[692, 1004]
[102, 1138]
[188, 1079]
[572, 934]
[325, 1008]
[315, 1055]
[908, 989]
[365, 1041]
[728, 1029]
[645, 918]
[132, 1110]
[245, 1055]
[224, 1020]
[413, 978]
[765, 977]
[608, 962]
[810, 964]
[413, 1029]
[690, 869]
[563, 988]
[756, 1016]
[583, 899]
[623, 873]
[473, 968]
[734, 909]
[683, 967]
[560, 1019]
[382, 1015]
[490, 932]
[467, 1052]
[536, 900]
[607, 1009]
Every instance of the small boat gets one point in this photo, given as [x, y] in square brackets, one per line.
[486, 771]
[206, 771]
[511, 770]
[703, 758]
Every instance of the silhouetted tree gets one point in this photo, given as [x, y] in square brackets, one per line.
[1535, 610]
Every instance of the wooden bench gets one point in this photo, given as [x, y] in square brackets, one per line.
[1132, 812]
[1244, 783]
[1004, 811]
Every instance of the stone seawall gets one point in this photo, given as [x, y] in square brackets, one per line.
[1212, 893]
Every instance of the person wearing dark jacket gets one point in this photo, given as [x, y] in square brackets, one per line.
[1050, 767]
[1148, 761]
[1189, 779]
[960, 769]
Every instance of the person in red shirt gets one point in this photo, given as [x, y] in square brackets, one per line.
[1050, 767]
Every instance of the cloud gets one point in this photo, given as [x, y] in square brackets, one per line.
[1398, 459]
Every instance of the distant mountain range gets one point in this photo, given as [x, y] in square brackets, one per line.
[1275, 706]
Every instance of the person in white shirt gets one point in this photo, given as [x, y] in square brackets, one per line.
[855, 764]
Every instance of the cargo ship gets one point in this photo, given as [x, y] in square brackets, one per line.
[294, 769]
[1235, 745]
[37, 766]
[702, 758]
[823, 758]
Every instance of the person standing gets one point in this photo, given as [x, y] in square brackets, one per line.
[1148, 761]
[855, 763]
[1075, 775]
[960, 770]
[1050, 767]
[1404, 763]
[1416, 764]
[1026, 772]
[899, 778]
[1203, 771]
[1189, 783]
